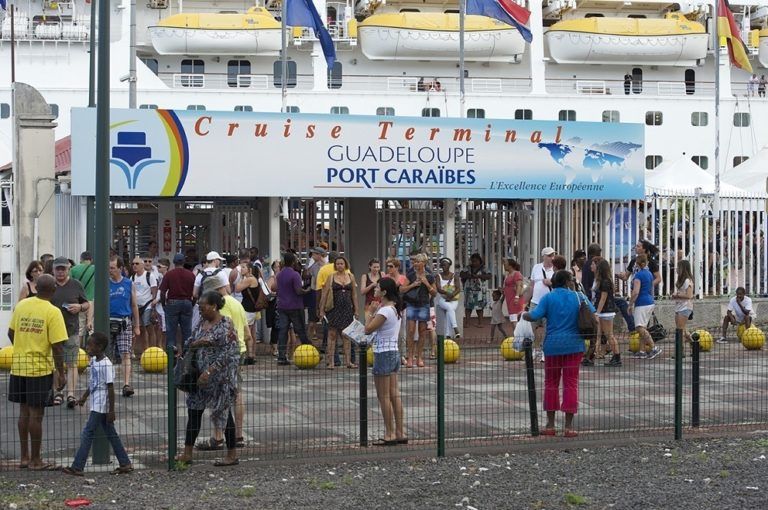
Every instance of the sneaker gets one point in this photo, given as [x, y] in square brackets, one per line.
[640, 355]
[615, 362]
[655, 352]
[722, 340]
[587, 363]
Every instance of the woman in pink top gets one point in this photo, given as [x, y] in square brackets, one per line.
[393, 271]
[513, 291]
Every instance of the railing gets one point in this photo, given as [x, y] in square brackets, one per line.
[486, 84]
[26, 30]
[645, 88]
[590, 87]
[481, 399]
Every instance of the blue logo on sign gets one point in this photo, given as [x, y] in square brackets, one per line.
[132, 155]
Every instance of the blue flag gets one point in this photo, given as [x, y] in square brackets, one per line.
[302, 13]
[505, 11]
[2, 4]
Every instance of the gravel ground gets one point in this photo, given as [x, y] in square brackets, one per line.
[696, 474]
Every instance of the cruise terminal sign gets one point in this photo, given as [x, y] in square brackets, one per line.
[168, 153]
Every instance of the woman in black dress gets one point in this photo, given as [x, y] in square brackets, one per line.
[341, 285]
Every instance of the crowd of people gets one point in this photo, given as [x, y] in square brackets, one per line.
[219, 308]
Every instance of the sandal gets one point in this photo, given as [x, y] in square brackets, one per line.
[71, 402]
[45, 467]
[123, 470]
[128, 391]
[570, 433]
[384, 442]
[210, 445]
[58, 399]
[420, 363]
[351, 365]
[239, 442]
[225, 463]
[72, 471]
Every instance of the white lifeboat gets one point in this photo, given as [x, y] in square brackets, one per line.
[256, 32]
[435, 36]
[762, 52]
[672, 41]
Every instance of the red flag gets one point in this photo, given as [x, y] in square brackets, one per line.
[728, 29]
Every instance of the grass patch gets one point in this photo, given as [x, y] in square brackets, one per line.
[575, 499]
[322, 485]
[724, 473]
[180, 466]
[246, 492]
[762, 442]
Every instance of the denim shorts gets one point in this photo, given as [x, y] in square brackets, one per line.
[386, 363]
[417, 313]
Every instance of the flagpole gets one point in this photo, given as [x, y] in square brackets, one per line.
[717, 104]
[13, 46]
[284, 56]
[462, 14]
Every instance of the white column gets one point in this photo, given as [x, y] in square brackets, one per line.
[725, 76]
[536, 49]
[449, 235]
[319, 66]
[274, 228]
[166, 228]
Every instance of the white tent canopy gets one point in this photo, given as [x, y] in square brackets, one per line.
[683, 177]
[751, 175]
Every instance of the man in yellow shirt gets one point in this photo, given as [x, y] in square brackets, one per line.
[37, 332]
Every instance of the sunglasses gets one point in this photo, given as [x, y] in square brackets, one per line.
[137, 263]
[390, 265]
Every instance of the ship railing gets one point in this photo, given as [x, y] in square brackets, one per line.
[34, 30]
[486, 85]
[590, 87]
[188, 80]
[672, 88]
[619, 88]
[402, 83]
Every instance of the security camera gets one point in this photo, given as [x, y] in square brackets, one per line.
[125, 77]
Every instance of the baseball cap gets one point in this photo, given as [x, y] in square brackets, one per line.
[548, 251]
[61, 262]
[318, 250]
[178, 258]
[215, 281]
[213, 255]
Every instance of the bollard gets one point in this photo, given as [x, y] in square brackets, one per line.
[363, 379]
[695, 352]
[440, 397]
[679, 352]
[528, 344]
[171, 352]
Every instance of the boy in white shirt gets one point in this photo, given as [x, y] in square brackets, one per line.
[740, 311]
[102, 392]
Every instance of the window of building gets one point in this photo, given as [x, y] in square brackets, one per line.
[409, 10]
[55, 110]
[653, 161]
[339, 110]
[277, 72]
[5, 110]
[385, 110]
[611, 116]
[292, 109]
[637, 80]
[451, 11]
[741, 119]
[637, 16]
[594, 15]
[566, 115]
[476, 113]
[654, 118]
[739, 160]
[192, 67]
[702, 161]
[235, 68]
[199, 107]
[690, 82]
[147, 107]
[334, 76]
[430, 112]
[699, 119]
[151, 63]
[523, 114]
[243, 108]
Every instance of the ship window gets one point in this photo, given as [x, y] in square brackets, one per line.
[147, 107]
[690, 82]
[235, 68]
[385, 110]
[243, 108]
[476, 113]
[151, 63]
[5, 110]
[192, 67]
[654, 118]
[339, 110]
[450, 11]
[55, 110]
[334, 76]
[594, 15]
[292, 109]
[409, 10]
[653, 161]
[198, 107]
[523, 114]
[702, 161]
[741, 119]
[566, 115]
[739, 160]
[699, 119]
[430, 112]
[277, 72]
[637, 80]
[611, 116]
[637, 16]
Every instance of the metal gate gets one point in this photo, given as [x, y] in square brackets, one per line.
[309, 222]
[407, 226]
[233, 227]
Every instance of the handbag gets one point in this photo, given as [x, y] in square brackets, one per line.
[261, 302]
[586, 320]
[328, 289]
[656, 330]
[186, 372]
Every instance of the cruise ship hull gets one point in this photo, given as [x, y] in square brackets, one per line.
[196, 41]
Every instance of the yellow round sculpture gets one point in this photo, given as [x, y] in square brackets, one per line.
[705, 340]
[753, 339]
[82, 361]
[452, 351]
[508, 351]
[740, 331]
[306, 357]
[6, 357]
[154, 360]
[369, 356]
[634, 341]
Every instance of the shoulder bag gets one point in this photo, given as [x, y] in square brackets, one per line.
[586, 320]
[328, 294]
[656, 330]
[186, 372]
[260, 302]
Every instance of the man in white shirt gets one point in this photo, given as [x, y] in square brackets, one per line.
[145, 284]
[212, 266]
[541, 279]
[740, 312]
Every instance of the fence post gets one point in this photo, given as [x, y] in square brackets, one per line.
[695, 350]
[528, 344]
[362, 363]
[170, 351]
[440, 396]
[679, 352]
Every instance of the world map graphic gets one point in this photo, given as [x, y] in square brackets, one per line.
[596, 157]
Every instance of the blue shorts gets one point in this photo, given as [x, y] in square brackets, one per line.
[417, 313]
[386, 363]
